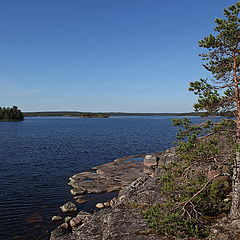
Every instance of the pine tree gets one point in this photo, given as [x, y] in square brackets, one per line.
[13, 113]
[220, 94]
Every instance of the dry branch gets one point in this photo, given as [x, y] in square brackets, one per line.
[190, 200]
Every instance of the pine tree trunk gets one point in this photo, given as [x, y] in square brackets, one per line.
[235, 211]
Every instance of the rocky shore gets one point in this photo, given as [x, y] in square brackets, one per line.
[108, 177]
[138, 186]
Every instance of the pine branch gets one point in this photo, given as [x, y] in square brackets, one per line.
[196, 194]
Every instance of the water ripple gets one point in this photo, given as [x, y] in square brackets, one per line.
[38, 155]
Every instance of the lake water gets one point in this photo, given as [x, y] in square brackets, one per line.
[38, 155]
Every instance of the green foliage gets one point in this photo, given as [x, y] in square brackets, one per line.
[13, 114]
[168, 218]
[173, 223]
[181, 181]
[133, 204]
[208, 97]
[193, 194]
[211, 200]
[221, 50]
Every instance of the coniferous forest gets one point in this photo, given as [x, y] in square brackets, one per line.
[11, 114]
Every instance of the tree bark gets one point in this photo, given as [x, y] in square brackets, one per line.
[234, 212]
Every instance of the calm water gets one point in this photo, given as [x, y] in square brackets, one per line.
[38, 155]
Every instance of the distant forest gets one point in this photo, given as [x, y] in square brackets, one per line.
[11, 114]
[102, 115]
[66, 114]
[154, 114]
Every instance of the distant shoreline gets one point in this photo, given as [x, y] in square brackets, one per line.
[11, 120]
[66, 114]
[102, 115]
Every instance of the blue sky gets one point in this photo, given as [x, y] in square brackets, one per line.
[103, 55]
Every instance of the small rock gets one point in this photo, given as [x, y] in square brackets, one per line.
[68, 207]
[107, 204]
[64, 225]
[81, 201]
[79, 196]
[100, 205]
[236, 224]
[67, 219]
[112, 203]
[75, 222]
[227, 199]
[56, 218]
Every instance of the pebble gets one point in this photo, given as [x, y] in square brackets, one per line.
[67, 219]
[112, 203]
[81, 201]
[56, 218]
[100, 205]
[64, 225]
[107, 204]
[227, 199]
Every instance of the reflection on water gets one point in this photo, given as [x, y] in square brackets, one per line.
[35, 218]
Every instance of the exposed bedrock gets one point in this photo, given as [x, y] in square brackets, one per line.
[108, 177]
[137, 188]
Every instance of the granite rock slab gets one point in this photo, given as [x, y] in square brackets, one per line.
[108, 177]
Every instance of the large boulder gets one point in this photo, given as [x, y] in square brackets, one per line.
[154, 164]
[164, 160]
[150, 163]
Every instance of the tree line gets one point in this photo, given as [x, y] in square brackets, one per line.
[66, 114]
[8, 114]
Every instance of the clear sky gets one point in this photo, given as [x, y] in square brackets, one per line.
[103, 55]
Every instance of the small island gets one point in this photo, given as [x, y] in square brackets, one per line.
[11, 114]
